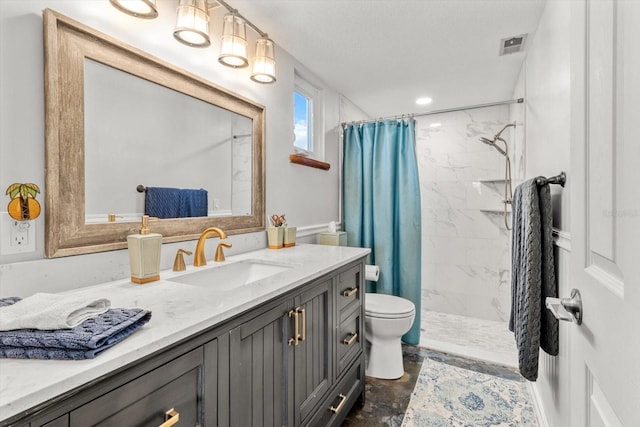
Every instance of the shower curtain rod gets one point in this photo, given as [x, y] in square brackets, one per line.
[446, 110]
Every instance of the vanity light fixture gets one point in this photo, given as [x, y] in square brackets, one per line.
[192, 29]
[145, 9]
[264, 62]
[233, 50]
[192, 23]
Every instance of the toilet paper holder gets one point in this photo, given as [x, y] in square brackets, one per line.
[567, 309]
[371, 273]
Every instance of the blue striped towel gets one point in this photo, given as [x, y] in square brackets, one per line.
[85, 341]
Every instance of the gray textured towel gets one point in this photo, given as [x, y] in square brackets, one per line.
[85, 341]
[532, 276]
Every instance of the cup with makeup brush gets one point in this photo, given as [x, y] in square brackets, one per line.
[275, 233]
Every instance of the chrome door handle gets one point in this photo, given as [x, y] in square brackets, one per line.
[568, 309]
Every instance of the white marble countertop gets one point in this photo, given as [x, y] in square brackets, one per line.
[178, 312]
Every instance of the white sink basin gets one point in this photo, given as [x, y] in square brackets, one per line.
[226, 277]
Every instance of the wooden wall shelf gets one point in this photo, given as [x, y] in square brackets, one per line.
[305, 161]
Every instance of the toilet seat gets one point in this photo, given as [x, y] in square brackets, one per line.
[384, 306]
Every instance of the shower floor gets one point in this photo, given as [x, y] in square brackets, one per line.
[479, 339]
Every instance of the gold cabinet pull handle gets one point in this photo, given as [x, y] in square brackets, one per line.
[351, 340]
[303, 336]
[349, 292]
[343, 399]
[170, 418]
[296, 331]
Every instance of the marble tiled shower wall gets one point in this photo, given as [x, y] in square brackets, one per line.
[465, 245]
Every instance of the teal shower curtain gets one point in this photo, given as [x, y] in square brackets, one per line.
[381, 202]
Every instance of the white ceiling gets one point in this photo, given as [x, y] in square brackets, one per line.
[383, 54]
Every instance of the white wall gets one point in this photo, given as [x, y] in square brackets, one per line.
[545, 85]
[307, 196]
[546, 74]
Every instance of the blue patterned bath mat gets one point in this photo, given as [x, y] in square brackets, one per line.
[446, 396]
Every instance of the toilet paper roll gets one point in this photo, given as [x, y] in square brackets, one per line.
[371, 273]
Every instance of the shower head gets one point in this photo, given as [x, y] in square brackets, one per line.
[497, 137]
[493, 144]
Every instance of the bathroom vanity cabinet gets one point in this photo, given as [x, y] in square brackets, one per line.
[274, 367]
[296, 360]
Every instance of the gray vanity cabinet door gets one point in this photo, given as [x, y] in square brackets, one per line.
[216, 382]
[313, 357]
[258, 360]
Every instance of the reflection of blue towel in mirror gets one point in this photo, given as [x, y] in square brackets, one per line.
[164, 202]
[193, 203]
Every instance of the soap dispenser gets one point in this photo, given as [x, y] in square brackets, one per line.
[144, 254]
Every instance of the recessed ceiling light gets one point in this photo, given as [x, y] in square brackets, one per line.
[424, 100]
[435, 125]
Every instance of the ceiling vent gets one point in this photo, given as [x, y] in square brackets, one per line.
[512, 44]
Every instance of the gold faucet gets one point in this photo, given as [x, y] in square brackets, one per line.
[199, 258]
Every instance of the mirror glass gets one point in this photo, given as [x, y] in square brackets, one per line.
[118, 118]
[140, 133]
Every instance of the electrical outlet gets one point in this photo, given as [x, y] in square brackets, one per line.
[19, 234]
[17, 237]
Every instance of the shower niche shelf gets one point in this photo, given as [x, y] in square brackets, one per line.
[514, 181]
[491, 181]
[495, 185]
[495, 211]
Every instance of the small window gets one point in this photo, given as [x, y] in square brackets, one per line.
[308, 123]
[303, 121]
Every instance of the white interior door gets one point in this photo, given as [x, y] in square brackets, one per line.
[605, 212]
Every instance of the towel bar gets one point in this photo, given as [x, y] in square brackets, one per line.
[560, 179]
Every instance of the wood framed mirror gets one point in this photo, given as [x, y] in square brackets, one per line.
[71, 50]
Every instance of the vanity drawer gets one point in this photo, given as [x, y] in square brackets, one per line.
[176, 385]
[349, 342]
[340, 401]
[349, 290]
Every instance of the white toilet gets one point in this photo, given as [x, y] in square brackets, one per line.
[387, 319]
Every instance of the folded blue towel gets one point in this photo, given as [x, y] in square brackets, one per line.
[85, 341]
[164, 202]
[193, 203]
